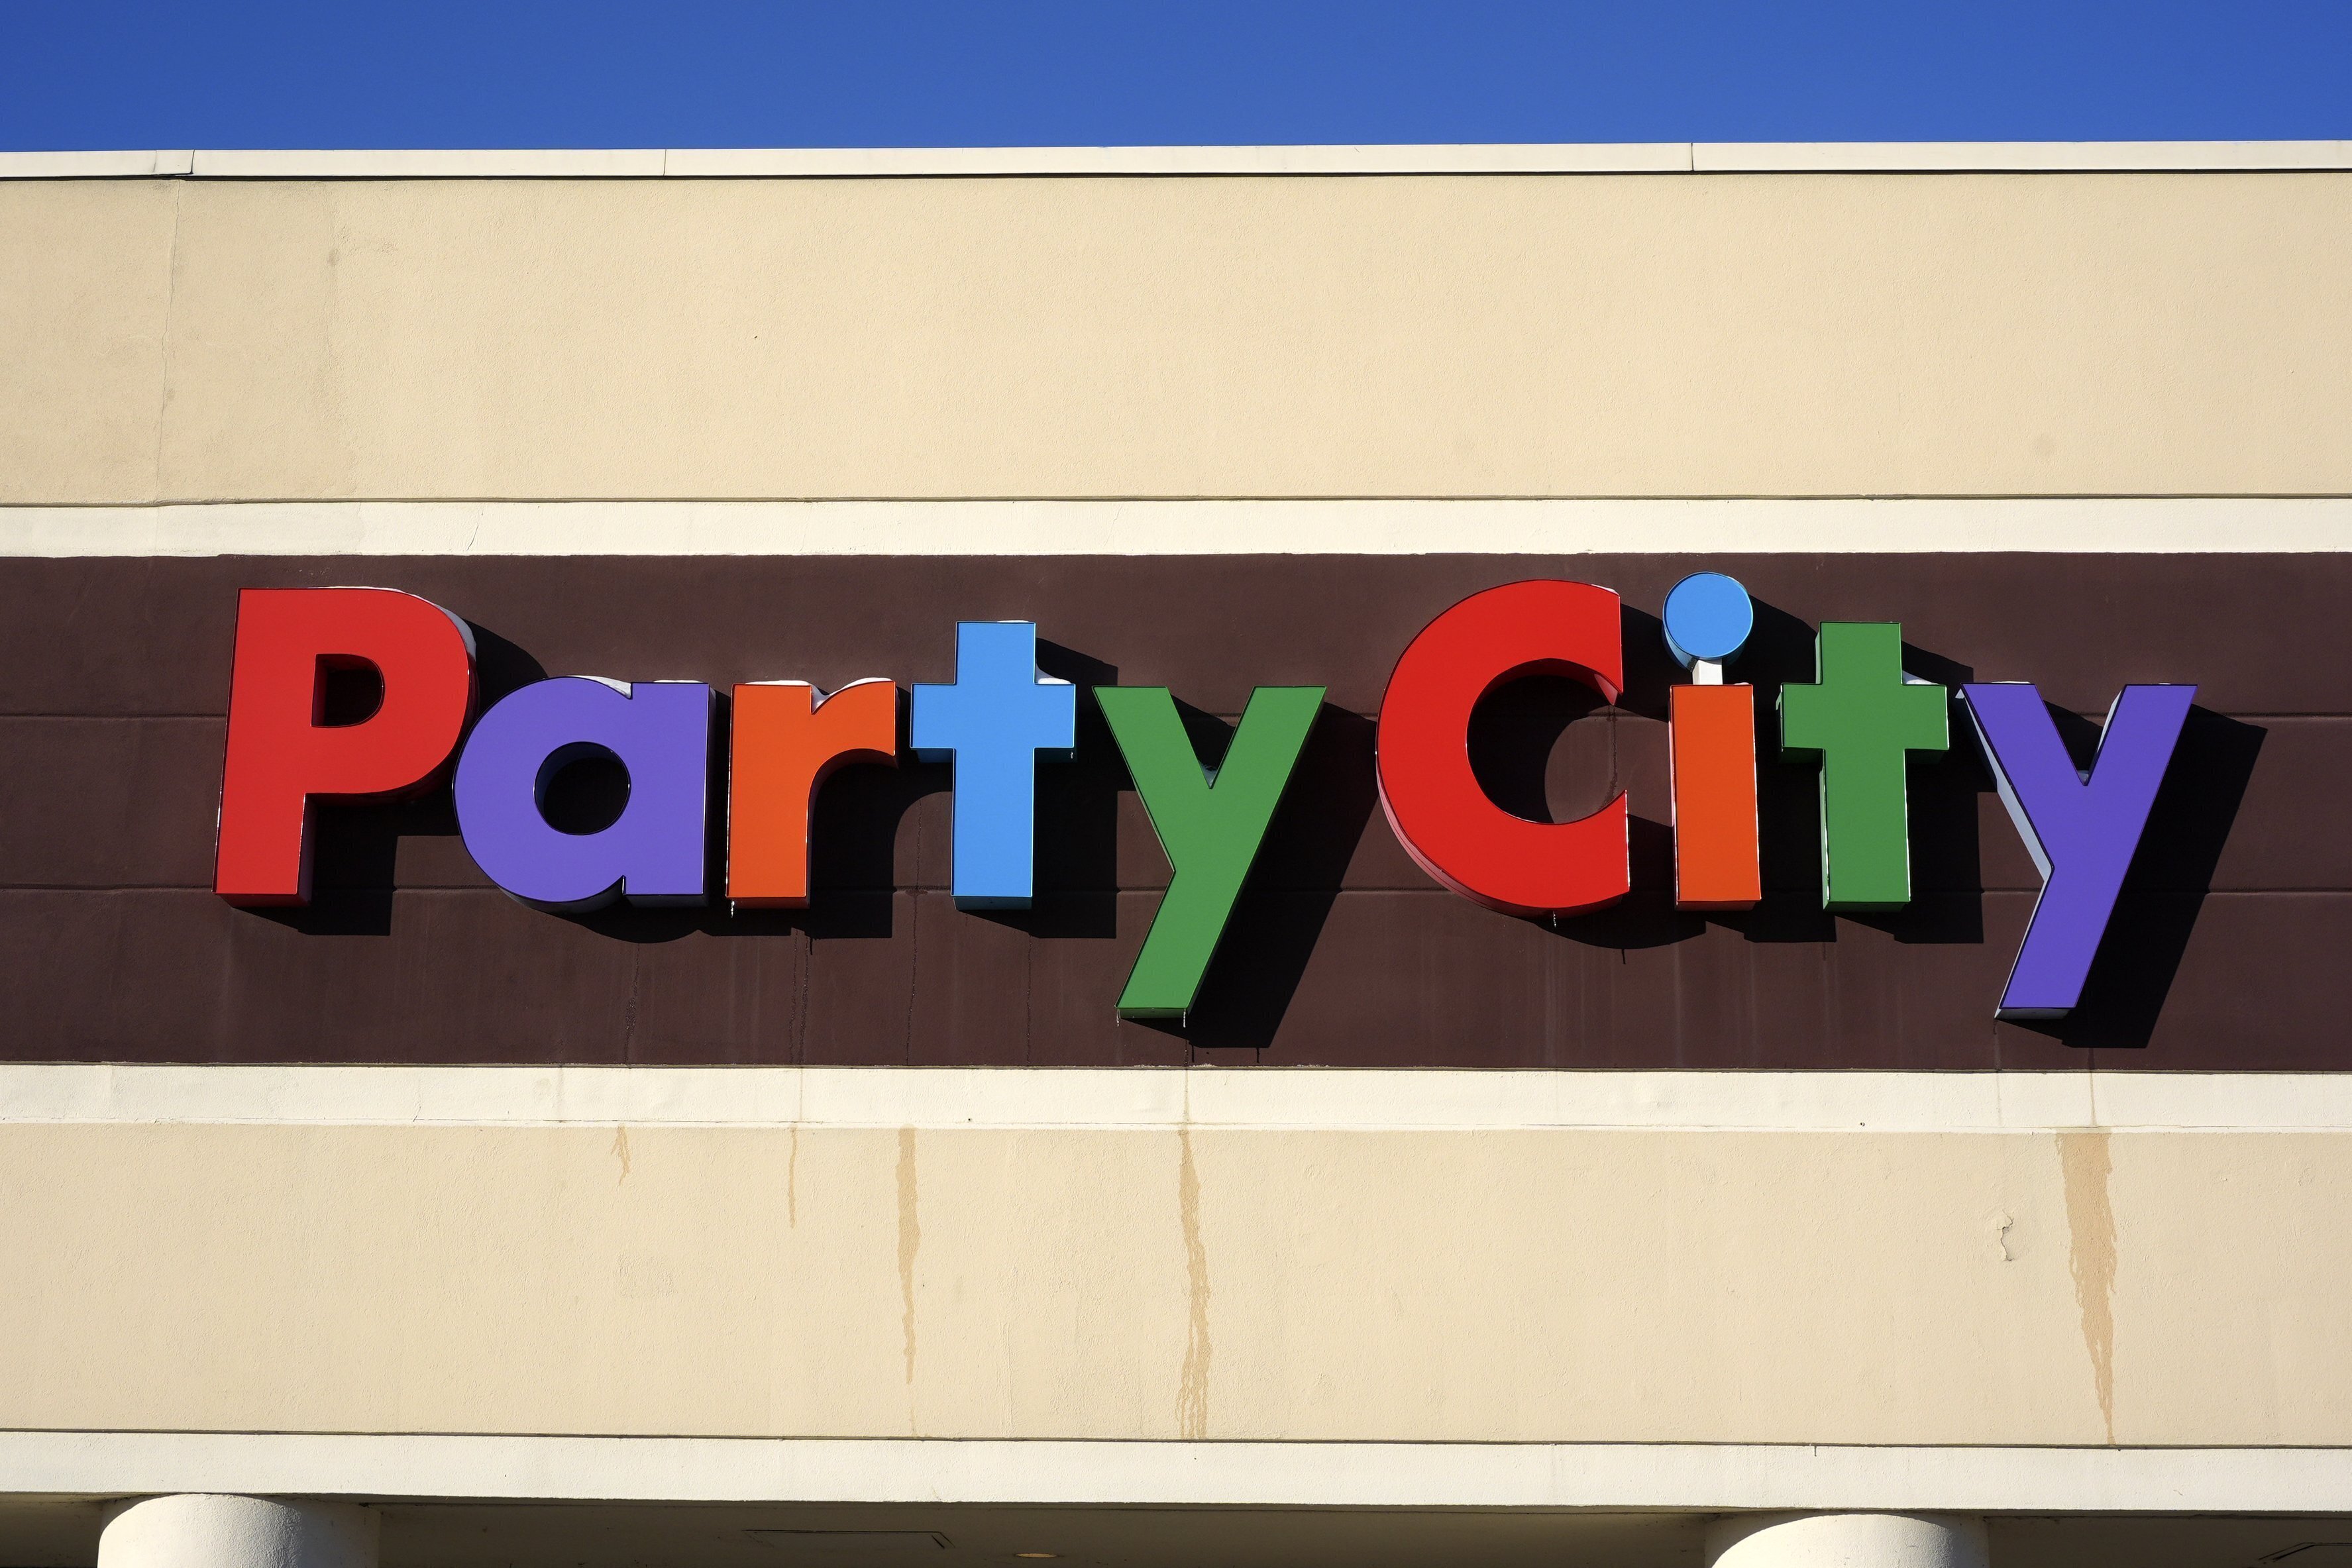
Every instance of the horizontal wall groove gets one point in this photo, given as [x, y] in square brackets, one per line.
[1388, 1475]
[1158, 497]
[1110, 526]
[1780, 893]
[1200, 1098]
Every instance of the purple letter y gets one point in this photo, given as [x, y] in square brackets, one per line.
[2082, 827]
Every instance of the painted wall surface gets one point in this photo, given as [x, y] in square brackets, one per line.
[1790, 335]
[2135, 334]
[2075, 1288]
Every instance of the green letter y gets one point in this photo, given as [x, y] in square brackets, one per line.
[1210, 829]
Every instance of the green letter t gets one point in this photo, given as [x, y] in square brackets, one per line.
[1863, 720]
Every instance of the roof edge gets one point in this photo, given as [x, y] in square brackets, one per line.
[933, 162]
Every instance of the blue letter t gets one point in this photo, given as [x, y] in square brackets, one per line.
[992, 723]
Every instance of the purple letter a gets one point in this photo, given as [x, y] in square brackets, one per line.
[2082, 827]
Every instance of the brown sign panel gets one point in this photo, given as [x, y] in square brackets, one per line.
[2225, 951]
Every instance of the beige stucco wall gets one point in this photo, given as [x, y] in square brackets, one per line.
[1775, 335]
[1559, 1285]
[1494, 335]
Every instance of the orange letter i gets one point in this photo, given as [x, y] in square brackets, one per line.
[1711, 743]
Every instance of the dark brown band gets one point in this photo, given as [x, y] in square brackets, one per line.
[2226, 953]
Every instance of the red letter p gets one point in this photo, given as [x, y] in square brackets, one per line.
[282, 755]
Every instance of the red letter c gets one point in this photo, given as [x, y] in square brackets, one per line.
[1441, 814]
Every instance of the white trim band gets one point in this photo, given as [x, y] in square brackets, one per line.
[1312, 1475]
[912, 163]
[2101, 524]
[1163, 1099]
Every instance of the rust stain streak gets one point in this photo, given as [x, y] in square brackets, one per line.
[910, 1238]
[1192, 1387]
[2085, 1163]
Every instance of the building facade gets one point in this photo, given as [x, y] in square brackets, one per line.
[456, 1112]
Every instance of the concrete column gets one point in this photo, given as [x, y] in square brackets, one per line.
[210, 1531]
[1846, 1541]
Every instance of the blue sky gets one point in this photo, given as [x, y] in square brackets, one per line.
[699, 73]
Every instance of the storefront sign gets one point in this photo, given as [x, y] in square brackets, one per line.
[1860, 722]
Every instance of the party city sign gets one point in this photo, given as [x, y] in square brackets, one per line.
[1859, 722]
